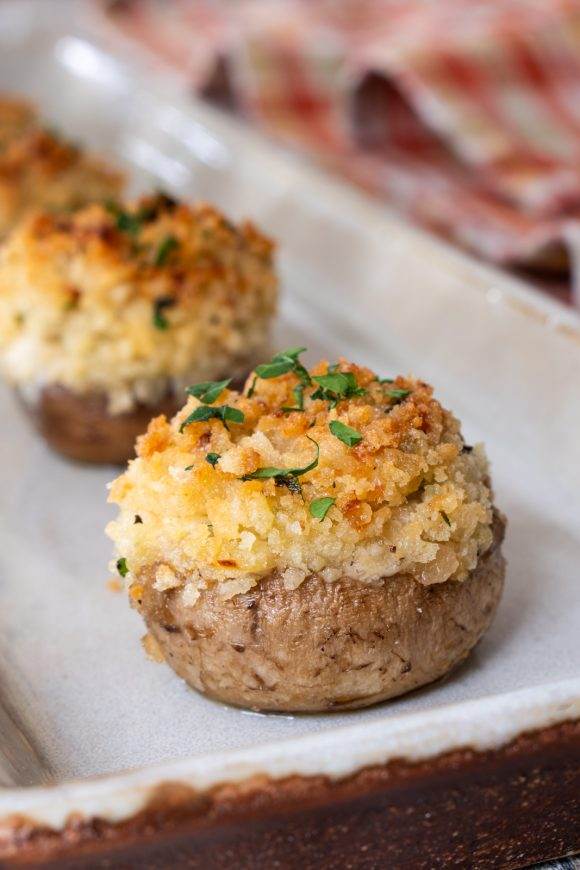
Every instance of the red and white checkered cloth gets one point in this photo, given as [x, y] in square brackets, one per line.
[463, 114]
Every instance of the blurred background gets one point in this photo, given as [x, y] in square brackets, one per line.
[463, 115]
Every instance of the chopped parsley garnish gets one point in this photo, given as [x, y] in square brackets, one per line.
[298, 393]
[284, 362]
[225, 413]
[129, 222]
[335, 386]
[399, 395]
[345, 433]
[385, 380]
[212, 458]
[445, 517]
[122, 567]
[159, 306]
[252, 387]
[188, 467]
[208, 391]
[165, 249]
[281, 364]
[320, 507]
[285, 476]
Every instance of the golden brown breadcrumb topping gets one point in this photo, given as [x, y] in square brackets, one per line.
[39, 169]
[123, 299]
[364, 483]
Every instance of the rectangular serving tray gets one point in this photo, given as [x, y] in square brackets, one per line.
[107, 758]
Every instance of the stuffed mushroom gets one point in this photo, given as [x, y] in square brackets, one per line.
[322, 540]
[41, 169]
[107, 313]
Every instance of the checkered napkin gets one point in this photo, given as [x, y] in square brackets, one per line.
[464, 114]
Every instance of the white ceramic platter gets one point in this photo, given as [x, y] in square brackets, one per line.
[359, 282]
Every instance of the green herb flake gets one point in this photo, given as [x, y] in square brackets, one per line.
[386, 380]
[336, 386]
[208, 391]
[266, 473]
[122, 567]
[159, 306]
[319, 507]
[225, 413]
[252, 389]
[165, 249]
[298, 393]
[285, 476]
[335, 382]
[131, 222]
[344, 433]
[399, 395]
[126, 222]
[188, 467]
[274, 369]
[280, 364]
[445, 517]
[213, 458]
[284, 362]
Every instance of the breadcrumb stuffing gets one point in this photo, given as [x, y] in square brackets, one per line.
[152, 649]
[39, 169]
[408, 496]
[133, 301]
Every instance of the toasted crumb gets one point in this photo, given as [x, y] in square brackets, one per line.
[165, 578]
[405, 498]
[41, 170]
[114, 585]
[152, 649]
